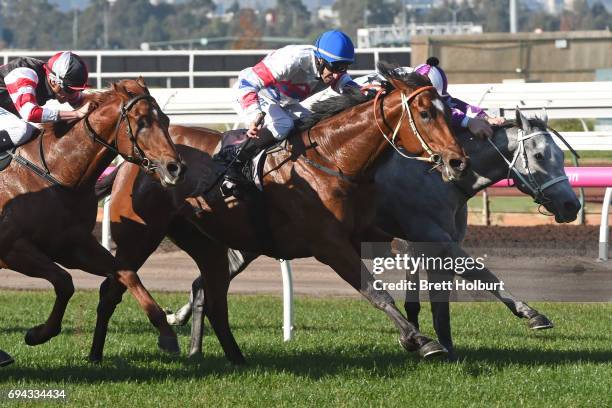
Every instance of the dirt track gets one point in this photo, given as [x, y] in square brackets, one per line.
[558, 258]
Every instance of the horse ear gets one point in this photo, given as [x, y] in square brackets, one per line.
[140, 81]
[544, 116]
[522, 121]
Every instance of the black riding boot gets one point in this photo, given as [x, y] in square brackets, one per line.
[5, 359]
[5, 141]
[251, 147]
[248, 149]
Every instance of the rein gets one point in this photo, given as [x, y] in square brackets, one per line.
[43, 173]
[139, 159]
[433, 157]
[406, 99]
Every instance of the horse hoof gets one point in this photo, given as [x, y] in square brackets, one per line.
[540, 322]
[169, 344]
[34, 336]
[93, 359]
[5, 359]
[171, 319]
[237, 360]
[432, 350]
[407, 344]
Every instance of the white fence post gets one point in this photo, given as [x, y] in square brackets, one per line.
[604, 231]
[106, 233]
[287, 300]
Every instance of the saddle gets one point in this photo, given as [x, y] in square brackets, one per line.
[253, 169]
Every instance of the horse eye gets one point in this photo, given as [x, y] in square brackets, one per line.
[539, 156]
[143, 123]
[424, 114]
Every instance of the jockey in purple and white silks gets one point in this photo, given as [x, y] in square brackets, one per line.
[463, 115]
[274, 87]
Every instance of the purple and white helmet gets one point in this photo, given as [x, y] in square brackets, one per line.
[435, 74]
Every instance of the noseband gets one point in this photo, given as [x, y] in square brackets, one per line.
[406, 99]
[139, 158]
[537, 189]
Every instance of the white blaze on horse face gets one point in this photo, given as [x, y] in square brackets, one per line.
[437, 102]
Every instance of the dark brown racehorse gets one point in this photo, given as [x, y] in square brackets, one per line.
[318, 200]
[48, 217]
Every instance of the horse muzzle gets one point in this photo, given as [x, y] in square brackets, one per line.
[455, 167]
[171, 173]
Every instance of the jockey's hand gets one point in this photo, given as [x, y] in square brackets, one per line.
[496, 120]
[371, 90]
[255, 126]
[74, 115]
[83, 110]
[480, 128]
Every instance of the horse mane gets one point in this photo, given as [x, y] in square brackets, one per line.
[329, 107]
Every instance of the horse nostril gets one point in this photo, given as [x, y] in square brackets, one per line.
[457, 164]
[571, 206]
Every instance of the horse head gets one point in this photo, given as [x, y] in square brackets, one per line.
[538, 169]
[128, 121]
[426, 129]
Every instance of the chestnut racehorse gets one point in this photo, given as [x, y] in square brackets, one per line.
[47, 201]
[318, 200]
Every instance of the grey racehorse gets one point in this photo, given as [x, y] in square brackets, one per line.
[415, 204]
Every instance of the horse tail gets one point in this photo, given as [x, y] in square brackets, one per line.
[104, 185]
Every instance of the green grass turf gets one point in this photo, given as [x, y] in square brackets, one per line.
[345, 353]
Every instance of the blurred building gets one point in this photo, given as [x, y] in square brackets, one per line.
[400, 35]
[570, 56]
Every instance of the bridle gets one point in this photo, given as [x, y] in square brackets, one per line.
[406, 99]
[139, 157]
[536, 189]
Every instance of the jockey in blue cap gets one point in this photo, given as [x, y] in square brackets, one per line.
[277, 84]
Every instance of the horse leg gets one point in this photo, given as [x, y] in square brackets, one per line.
[210, 292]
[412, 303]
[536, 320]
[91, 257]
[183, 314]
[111, 292]
[440, 310]
[216, 287]
[238, 261]
[339, 254]
[27, 259]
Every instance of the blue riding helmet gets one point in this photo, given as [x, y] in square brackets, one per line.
[335, 46]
